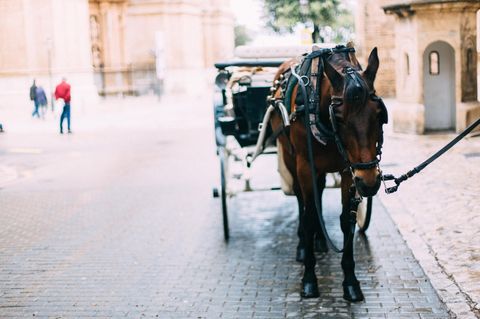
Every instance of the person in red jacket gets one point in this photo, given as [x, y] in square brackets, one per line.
[62, 91]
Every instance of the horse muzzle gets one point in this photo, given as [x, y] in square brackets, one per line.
[367, 189]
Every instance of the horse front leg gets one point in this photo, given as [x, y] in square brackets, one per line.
[309, 280]
[300, 255]
[351, 286]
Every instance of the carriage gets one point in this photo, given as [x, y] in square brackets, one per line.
[242, 133]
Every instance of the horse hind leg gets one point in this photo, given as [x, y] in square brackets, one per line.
[310, 226]
[351, 286]
[320, 242]
[300, 254]
[290, 186]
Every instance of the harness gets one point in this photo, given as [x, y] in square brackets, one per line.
[309, 84]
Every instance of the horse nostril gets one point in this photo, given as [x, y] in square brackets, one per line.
[365, 189]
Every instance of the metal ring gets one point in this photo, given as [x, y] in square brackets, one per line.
[307, 82]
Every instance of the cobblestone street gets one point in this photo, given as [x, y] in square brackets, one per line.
[118, 220]
[437, 212]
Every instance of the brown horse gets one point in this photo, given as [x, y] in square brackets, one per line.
[358, 120]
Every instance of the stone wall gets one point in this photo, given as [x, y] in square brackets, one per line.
[195, 34]
[44, 39]
[180, 37]
[415, 29]
[110, 43]
[373, 28]
[402, 38]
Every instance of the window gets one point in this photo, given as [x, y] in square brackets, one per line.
[407, 64]
[434, 63]
[469, 59]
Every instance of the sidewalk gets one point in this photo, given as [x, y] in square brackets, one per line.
[438, 213]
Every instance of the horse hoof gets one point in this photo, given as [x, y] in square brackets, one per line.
[321, 246]
[310, 290]
[353, 292]
[300, 255]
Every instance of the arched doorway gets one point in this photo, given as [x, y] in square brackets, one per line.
[439, 86]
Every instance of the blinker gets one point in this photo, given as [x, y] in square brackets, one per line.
[383, 115]
[353, 84]
[351, 72]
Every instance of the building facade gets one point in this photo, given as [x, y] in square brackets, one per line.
[110, 46]
[138, 44]
[428, 55]
[374, 28]
[44, 39]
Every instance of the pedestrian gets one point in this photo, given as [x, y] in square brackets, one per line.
[33, 97]
[41, 98]
[62, 91]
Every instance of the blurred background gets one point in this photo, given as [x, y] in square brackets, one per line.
[138, 47]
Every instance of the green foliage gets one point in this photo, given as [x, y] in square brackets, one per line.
[242, 35]
[323, 15]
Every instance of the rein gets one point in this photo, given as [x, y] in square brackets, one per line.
[417, 169]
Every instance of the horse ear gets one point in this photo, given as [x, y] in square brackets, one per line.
[352, 56]
[336, 79]
[372, 67]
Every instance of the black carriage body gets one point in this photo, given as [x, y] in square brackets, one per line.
[249, 107]
[249, 102]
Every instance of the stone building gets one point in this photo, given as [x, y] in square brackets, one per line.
[109, 46]
[428, 55]
[137, 42]
[373, 28]
[43, 37]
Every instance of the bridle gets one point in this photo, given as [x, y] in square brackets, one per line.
[337, 101]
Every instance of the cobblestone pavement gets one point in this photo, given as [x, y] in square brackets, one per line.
[437, 212]
[117, 220]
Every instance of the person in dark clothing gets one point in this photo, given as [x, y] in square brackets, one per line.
[41, 100]
[62, 91]
[33, 97]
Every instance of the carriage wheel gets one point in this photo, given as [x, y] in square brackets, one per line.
[223, 179]
[364, 213]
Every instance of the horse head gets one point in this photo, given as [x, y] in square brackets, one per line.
[357, 115]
